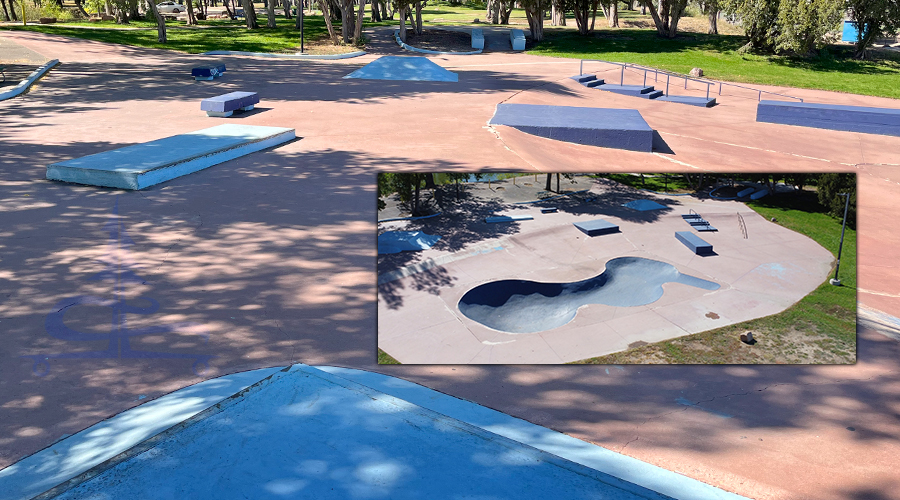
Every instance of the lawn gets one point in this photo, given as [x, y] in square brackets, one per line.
[717, 55]
[820, 328]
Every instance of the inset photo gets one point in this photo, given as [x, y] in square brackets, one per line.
[643, 268]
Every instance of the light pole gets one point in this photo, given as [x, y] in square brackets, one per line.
[835, 281]
[301, 25]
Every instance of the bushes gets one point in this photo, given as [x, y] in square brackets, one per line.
[787, 26]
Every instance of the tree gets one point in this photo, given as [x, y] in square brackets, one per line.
[666, 15]
[160, 22]
[534, 11]
[402, 6]
[711, 8]
[758, 19]
[874, 19]
[270, 14]
[829, 188]
[250, 14]
[803, 25]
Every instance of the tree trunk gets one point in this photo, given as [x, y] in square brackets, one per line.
[506, 7]
[375, 15]
[549, 179]
[613, 19]
[534, 11]
[228, 9]
[326, 14]
[160, 22]
[191, 19]
[357, 33]
[713, 22]
[402, 12]
[419, 17]
[866, 37]
[287, 9]
[133, 12]
[270, 13]
[5, 11]
[416, 202]
[250, 14]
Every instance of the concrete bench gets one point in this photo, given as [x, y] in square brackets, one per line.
[884, 121]
[597, 227]
[507, 218]
[694, 242]
[746, 192]
[226, 104]
[208, 72]
[478, 38]
[759, 194]
[517, 38]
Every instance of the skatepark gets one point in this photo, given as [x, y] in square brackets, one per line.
[268, 260]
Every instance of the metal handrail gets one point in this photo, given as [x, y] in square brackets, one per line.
[742, 225]
[709, 83]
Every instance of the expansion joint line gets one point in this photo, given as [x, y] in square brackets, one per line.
[757, 149]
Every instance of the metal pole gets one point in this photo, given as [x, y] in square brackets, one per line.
[622, 77]
[835, 281]
[301, 25]
[667, 85]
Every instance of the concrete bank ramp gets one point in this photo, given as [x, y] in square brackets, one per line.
[305, 432]
[412, 68]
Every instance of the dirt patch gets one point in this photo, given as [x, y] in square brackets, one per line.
[322, 47]
[440, 40]
[712, 315]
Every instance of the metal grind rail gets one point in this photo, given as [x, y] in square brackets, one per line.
[670, 74]
[742, 225]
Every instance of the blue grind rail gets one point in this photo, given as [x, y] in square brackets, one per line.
[143, 165]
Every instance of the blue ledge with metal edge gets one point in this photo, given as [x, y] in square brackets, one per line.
[143, 165]
[609, 128]
[208, 72]
[697, 244]
[597, 227]
[226, 104]
[882, 121]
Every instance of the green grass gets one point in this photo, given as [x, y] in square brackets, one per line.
[718, 56]
[820, 328]
[227, 35]
[386, 359]
[662, 183]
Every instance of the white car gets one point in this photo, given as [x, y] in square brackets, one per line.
[170, 7]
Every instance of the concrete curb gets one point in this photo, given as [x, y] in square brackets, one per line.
[283, 56]
[426, 51]
[24, 84]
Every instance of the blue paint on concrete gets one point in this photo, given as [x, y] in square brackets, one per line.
[703, 102]
[627, 469]
[611, 128]
[883, 121]
[411, 68]
[405, 241]
[644, 205]
[69, 457]
[311, 434]
[521, 306]
[143, 165]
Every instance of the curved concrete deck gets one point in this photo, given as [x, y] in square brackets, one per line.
[273, 255]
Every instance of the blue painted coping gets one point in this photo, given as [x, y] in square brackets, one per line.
[507, 218]
[143, 165]
[229, 102]
[759, 194]
[596, 227]
[697, 244]
[24, 84]
[406, 68]
[611, 128]
[712, 194]
[284, 56]
[550, 198]
[745, 192]
[426, 51]
[882, 121]
[411, 218]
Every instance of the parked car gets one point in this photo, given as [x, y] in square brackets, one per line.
[170, 7]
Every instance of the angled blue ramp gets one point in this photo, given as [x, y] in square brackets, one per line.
[412, 68]
[643, 205]
[883, 121]
[405, 241]
[609, 128]
[143, 165]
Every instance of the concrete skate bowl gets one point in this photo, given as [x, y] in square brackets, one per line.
[522, 306]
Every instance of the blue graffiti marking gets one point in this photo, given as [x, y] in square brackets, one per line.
[119, 336]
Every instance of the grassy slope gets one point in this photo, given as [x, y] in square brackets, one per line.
[820, 328]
